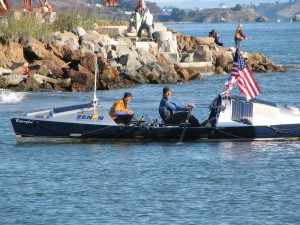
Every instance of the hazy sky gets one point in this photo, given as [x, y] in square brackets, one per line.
[208, 3]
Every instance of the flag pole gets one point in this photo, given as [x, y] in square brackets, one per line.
[95, 100]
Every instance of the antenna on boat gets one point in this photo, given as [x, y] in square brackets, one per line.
[95, 100]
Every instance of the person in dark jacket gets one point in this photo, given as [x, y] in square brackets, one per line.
[214, 34]
[172, 113]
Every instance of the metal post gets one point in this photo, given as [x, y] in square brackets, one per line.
[95, 100]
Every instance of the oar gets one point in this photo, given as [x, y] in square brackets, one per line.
[185, 125]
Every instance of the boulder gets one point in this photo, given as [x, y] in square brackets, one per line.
[4, 71]
[183, 73]
[154, 77]
[88, 60]
[79, 80]
[221, 61]
[4, 83]
[13, 79]
[65, 53]
[37, 49]
[112, 54]
[102, 63]
[146, 57]
[110, 75]
[30, 84]
[144, 71]
[55, 65]
[130, 62]
[135, 77]
[10, 53]
[90, 77]
[65, 83]
[123, 50]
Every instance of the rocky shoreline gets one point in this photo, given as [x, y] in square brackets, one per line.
[64, 65]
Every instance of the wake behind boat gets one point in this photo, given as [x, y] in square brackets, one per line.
[230, 118]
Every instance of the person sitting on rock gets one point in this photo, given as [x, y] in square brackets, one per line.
[239, 35]
[172, 113]
[119, 111]
[214, 34]
[147, 21]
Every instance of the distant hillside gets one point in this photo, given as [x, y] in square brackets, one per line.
[260, 13]
[237, 14]
[282, 11]
[124, 5]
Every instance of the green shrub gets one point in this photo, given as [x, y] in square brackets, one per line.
[67, 21]
[22, 29]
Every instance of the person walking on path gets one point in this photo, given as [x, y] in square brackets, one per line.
[239, 36]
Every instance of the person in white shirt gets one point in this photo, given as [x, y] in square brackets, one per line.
[147, 21]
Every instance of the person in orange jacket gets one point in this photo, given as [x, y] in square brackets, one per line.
[119, 111]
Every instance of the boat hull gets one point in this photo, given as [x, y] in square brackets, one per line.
[274, 132]
[39, 129]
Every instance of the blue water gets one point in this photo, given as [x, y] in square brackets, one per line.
[159, 183]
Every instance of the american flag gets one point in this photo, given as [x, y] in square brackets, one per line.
[241, 73]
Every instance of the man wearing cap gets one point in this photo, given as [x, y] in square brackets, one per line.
[119, 111]
[239, 35]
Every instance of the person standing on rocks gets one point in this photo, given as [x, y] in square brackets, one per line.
[141, 7]
[172, 113]
[239, 35]
[147, 21]
[119, 111]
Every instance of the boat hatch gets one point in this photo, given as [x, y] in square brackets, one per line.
[242, 111]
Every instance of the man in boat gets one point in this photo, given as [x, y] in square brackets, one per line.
[119, 111]
[172, 113]
[239, 35]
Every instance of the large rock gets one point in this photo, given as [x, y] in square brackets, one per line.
[79, 80]
[65, 53]
[88, 60]
[102, 63]
[130, 62]
[135, 77]
[110, 75]
[13, 79]
[37, 49]
[10, 53]
[90, 77]
[30, 84]
[183, 73]
[123, 50]
[55, 65]
[4, 71]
